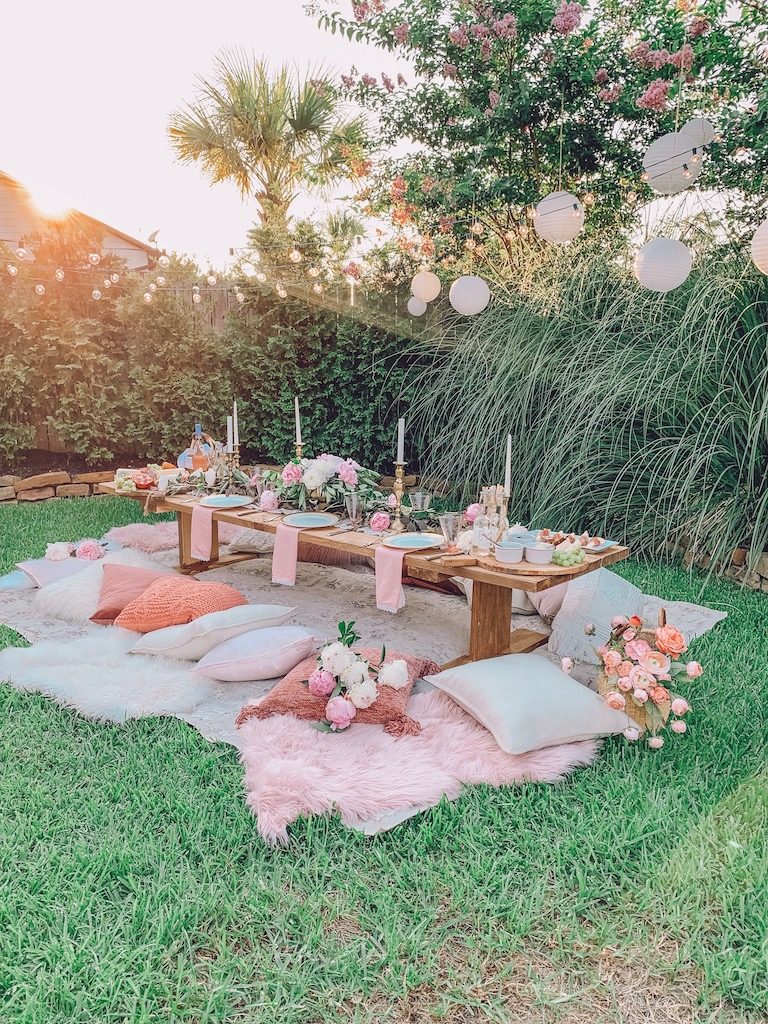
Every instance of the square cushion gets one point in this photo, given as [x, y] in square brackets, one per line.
[193, 640]
[176, 599]
[528, 703]
[122, 584]
[43, 572]
[291, 696]
[259, 654]
[591, 599]
[549, 602]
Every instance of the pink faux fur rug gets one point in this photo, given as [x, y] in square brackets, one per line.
[293, 770]
[153, 537]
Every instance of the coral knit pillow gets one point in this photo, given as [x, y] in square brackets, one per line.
[291, 696]
[175, 600]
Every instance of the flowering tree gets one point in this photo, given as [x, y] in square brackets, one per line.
[511, 99]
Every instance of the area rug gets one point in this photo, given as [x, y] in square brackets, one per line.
[153, 537]
[292, 770]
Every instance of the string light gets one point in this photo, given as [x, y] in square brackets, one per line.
[107, 283]
[686, 171]
[589, 199]
[114, 278]
[153, 287]
[161, 280]
[94, 259]
[317, 288]
[163, 261]
[96, 294]
[195, 289]
[240, 297]
[261, 277]
[313, 272]
[476, 228]
[12, 269]
[40, 289]
[147, 296]
[59, 275]
[631, 197]
[197, 298]
[22, 254]
[211, 279]
[281, 291]
[295, 256]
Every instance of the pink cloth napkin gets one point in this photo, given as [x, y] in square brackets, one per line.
[390, 596]
[285, 555]
[202, 532]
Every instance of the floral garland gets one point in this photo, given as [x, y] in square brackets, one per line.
[324, 480]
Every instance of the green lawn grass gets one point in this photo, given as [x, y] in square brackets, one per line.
[134, 887]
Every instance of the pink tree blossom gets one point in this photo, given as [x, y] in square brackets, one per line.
[567, 17]
[402, 32]
[655, 96]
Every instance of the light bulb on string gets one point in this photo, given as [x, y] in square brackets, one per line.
[147, 296]
[313, 272]
[161, 280]
[107, 283]
[21, 253]
[589, 199]
[240, 297]
[211, 279]
[281, 291]
[631, 197]
[153, 287]
[40, 289]
[470, 244]
[317, 288]
[195, 289]
[695, 156]
[476, 228]
[59, 275]
[12, 269]
[114, 278]
[163, 261]
[96, 294]
[686, 171]
[645, 176]
[261, 277]
[94, 259]
[295, 256]
[197, 298]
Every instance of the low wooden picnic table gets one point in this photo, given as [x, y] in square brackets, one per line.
[491, 607]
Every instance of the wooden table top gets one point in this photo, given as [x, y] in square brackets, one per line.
[421, 566]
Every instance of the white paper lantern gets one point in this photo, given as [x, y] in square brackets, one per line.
[426, 286]
[416, 306]
[469, 295]
[759, 247]
[670, 165]
[700, 131]
[663, 264]
[559, 217]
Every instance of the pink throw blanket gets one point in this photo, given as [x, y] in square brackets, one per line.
[285, 555]
[152, 537]
[202, 532]
[390, 596]
[293, 770]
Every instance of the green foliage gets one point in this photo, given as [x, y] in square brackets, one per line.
[639, 416]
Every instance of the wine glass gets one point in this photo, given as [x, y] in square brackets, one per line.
[355, 507]
[450, 524]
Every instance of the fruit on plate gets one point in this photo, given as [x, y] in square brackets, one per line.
[143, 481]
[568, 553]
[168, 465]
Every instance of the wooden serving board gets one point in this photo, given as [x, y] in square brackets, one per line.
[529, 568]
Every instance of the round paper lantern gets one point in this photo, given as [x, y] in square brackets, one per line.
[559, 217]
[416, 306]
[700, 131]
[663, 264]
[426, 286]
[759, 247]
[469, 295]
[670, 165]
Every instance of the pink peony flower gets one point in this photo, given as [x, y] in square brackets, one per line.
[618, 620]
[624, 669]
[680, 706]
[339, 711]
[590, 629]
[655, 742]
[641, 678]
[602, 651]
[379, 522]
[567, 665]
[624, 684]
[641, 696]
[693, 670]
[617, 701]
[634, 621]
[632, 733]
[402, 32]
[635, 649]
[268, 501]
[90, 550]
[471, 512]
[348, 473]
[670, 641]
[629, 634]
[612, 660]
[321, 683]
[679, 727]
[656, 663]
[292, 474]
[567, 17]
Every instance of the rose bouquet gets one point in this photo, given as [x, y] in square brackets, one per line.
[639, 668]
[324, 481]
[349, 681]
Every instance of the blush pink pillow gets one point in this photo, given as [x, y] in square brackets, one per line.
[173, 600]
[44, 571]
[549, 602]
[291, 696]
[121, 585]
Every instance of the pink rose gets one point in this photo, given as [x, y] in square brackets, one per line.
[670, 641]
[391, 501]
[629, 634]
[89, 549]
[321, 683]
[379, 522]
[693, 670]
[624, 684]
[655, 662]
[348, 473]
[339, 711]
[640, 696]
[602, 651]
[567, 665]
[659, 695]
[292, 474]
[680, 706]
[635, 649]
[632, 733]
[655, 742]
[618, 620]
[624, 669]
[471, 512]
[268, 501]
[612, 660]
[678, 727]
[617, 701]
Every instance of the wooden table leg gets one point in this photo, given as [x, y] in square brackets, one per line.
[490, 631]
[184, 524]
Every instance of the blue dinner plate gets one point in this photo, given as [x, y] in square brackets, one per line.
[226, 501]
[414, 541]
[310, 520]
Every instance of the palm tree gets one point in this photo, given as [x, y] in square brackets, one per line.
[272, 134]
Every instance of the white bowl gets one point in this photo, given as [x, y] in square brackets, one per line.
[539, 554]
[509, 553]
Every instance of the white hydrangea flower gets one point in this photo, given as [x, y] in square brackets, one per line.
[395, 674]
[464, 541]
[335, 658]
[363, 694]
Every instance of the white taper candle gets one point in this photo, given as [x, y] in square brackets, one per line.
[298, 419]
[235, 427]
[229, 433]
[400, 440]
[508, 468]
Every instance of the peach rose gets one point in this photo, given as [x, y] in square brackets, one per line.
[693, 670]
[670, 641]
[612, 660]
[655, 662]
[635, 621]
[678, 727]
[659, 695]
[617, 701]
[680, 706]
[635, 649]
[639, 677]
[624, 668]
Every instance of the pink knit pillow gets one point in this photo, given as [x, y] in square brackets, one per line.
[174, 600]
[291, 696]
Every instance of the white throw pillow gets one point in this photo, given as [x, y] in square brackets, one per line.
[76, 598]
[193, 640]
[593, 598]
[260, 654]
[44, 573]
[528, 703]
[254, 542]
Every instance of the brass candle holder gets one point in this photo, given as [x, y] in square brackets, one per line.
[398, 488]
[299, 449]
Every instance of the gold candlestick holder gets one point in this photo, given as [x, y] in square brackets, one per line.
[236, 456]
[398, 488]
[299, 449]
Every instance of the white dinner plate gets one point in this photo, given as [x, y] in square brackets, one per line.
[226, 500]
[415, 541]
[310, 520]
[600, 547]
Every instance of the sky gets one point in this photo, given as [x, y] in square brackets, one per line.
[87, 90]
